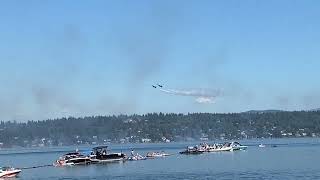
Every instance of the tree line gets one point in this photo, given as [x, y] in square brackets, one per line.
[160, 127]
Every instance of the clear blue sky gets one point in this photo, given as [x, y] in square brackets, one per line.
[77, 58]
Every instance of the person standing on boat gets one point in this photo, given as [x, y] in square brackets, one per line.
[132, 152]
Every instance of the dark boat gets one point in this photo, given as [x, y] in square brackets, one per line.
[101, 154]
[192, 150]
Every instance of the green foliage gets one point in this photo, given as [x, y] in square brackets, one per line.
[157, 126]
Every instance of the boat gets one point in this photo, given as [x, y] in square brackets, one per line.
[219, 147]
[237, 146]
[262, 145]
[101, 154]
[9, 172]
[71, 159]
[156, 154]
[193, 150]
[137, 157]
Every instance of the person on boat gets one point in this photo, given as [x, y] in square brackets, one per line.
[132, 152]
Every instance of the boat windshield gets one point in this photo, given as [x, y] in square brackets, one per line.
[5, 168]
[100, 150]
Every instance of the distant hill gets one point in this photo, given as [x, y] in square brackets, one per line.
[160, 127]
[316, 109]
[264, 111]
[275, 111]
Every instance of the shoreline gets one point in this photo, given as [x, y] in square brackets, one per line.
[173, 145]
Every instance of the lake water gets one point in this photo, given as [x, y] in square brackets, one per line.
[291, 159]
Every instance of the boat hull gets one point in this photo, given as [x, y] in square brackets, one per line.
[221, 149]
[157, 155]
[191, 152]
[114, 157]
[95, 161]
[10, 174]
[136, 158]
[73, 162]
[239, 148]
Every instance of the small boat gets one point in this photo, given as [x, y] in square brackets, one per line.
[101, 154]
[237, 146]
[156, 154]
[71, 159]
[9, 172]
[137, 157]
[193, 150]
[219, 147]
[262, 145]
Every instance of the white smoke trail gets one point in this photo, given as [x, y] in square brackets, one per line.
[204, 96]
[205, 100]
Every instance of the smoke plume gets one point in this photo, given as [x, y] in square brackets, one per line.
[203, 96]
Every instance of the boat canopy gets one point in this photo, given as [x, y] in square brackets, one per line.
[100, 147]
[5, 168]
[100, 150]
[87, 152]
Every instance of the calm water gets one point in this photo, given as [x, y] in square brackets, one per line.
[291, 159]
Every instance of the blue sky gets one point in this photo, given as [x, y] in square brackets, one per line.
[67, 58]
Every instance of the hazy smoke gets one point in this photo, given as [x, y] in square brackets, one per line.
[204, 100]
[144, 45]
[202, 95]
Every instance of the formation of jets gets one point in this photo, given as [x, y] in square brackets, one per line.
[158, 85]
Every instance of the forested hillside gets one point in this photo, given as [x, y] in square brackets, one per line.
[159, 127]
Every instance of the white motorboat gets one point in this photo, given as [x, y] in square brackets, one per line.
[137, 157]
[237, 146]
[9, 172]
[219, 149]
[262, 145]
[157, 154]
[71, 159]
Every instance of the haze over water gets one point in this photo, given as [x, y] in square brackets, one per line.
[291, 159]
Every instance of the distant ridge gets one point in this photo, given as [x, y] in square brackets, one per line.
[264, 111]
[275, 111]
[317, 109]
[160, 127]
